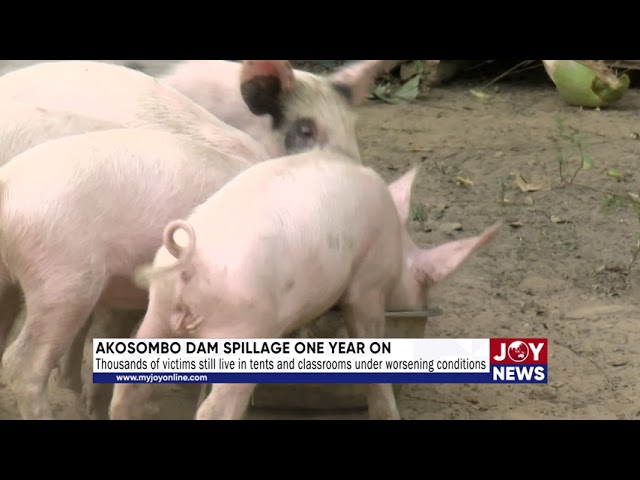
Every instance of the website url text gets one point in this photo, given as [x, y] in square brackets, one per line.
[152, 378]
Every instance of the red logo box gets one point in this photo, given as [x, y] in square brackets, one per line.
[518, 351]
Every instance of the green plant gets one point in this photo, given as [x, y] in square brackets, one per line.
[615, 200]
[574, 139]
[503, 191]
[420, 213]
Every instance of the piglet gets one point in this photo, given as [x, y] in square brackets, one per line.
[285, 109]
[276, 248]
[77, 215]
[23, 126]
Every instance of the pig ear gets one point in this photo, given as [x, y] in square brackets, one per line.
[400, 191]
[434, 265]
[262, 82]
[356, 80]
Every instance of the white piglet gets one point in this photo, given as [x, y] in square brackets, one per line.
[23, 126]
[77, 215]
[277, 247]
[285, 109]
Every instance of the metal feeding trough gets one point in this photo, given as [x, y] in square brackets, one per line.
[337, 396]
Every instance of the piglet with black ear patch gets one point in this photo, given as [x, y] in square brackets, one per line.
[286, 110]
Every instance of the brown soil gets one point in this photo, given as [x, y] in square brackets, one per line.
[559, 269]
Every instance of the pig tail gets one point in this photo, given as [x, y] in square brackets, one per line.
[183, 254]
[143, 275]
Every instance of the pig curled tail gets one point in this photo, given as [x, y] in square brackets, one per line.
[171, 245]
[145, 274]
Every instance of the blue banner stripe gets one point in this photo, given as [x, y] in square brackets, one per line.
[310, 377]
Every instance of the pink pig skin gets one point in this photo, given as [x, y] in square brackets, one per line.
[72, 235]
[277, 247]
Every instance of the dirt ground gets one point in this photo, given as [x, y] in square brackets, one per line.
[559, 268]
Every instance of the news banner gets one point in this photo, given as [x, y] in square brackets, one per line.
[270, 361]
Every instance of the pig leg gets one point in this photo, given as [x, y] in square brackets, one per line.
[10, 308]
[227, 401]
[56, 311]
[119, 324]
[205, 389]
[128, 399]
[365, 319]
[230, 401]
[70, 365]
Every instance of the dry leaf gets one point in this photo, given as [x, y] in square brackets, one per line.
[528, 200]
[527, 187]
[463, 181]
[618, 363]
[478, 94]
[557, 219]
[616, 269]
[450, 227]
[516, 224]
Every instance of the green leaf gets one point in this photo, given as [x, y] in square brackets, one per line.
[381, 92]
[587, 161]
[408, 91]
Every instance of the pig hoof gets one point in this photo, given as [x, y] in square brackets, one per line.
[151, 410]
[95, 407]
[70, 382]
[95, 413]
[145, 412]
[119, 412]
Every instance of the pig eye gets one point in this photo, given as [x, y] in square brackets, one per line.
[302, 135]
[305, 131]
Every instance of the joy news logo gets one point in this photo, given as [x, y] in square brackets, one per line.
[518, 360]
